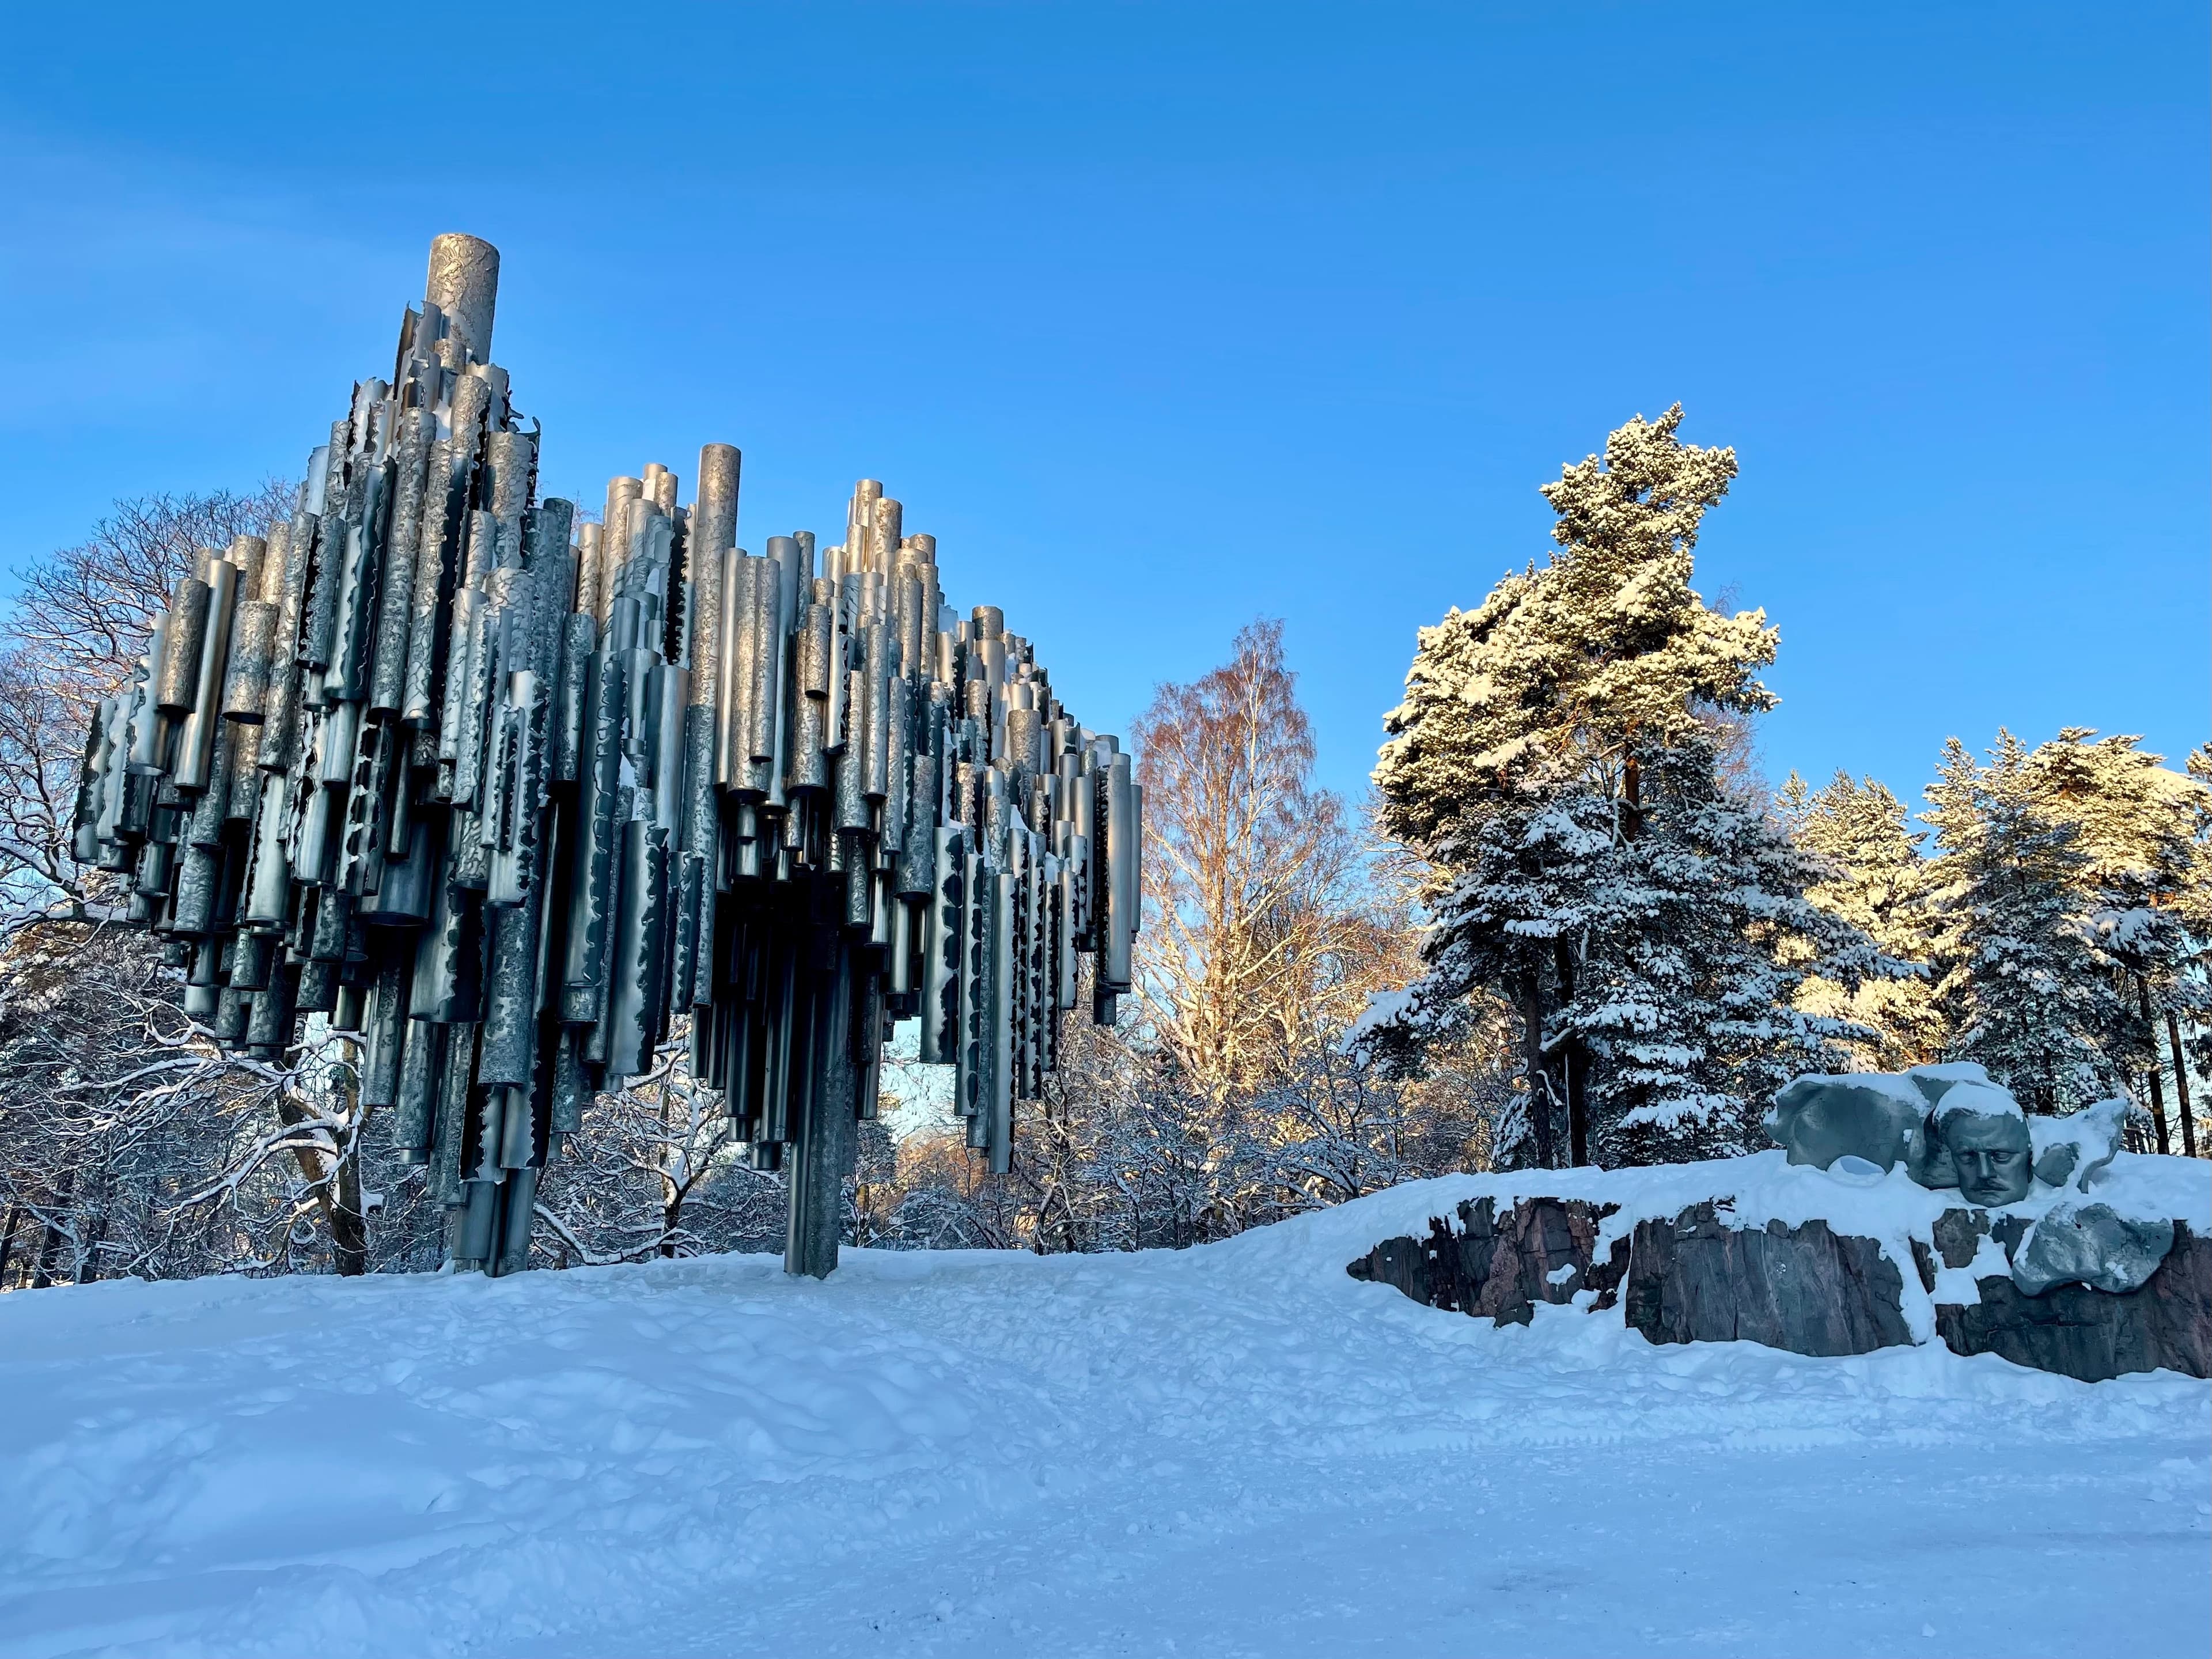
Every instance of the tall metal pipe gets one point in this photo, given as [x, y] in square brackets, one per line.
[463, 285]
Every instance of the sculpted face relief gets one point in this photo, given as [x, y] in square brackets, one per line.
[1950, 1128]
[1991, 1154]
[1948, 1124]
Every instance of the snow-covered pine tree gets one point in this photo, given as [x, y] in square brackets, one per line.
[2190, 1051]
[1554, 762]
[2147, 881]
[2021, 980]
[1877, 882]
[1691, 1002]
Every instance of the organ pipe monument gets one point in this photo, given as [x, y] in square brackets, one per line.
[509, 796]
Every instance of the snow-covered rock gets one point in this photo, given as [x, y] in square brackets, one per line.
[1840, 1260]
[2090, 1244]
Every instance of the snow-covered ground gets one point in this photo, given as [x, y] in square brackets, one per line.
[1225, 1451]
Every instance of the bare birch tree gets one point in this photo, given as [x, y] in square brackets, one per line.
[1246, 870]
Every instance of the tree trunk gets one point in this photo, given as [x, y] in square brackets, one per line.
[2157, 1088]
[87, 1261]
[7, 1241]
[672, 1216]
[672, 1202]
[50, 1241]
[338, 1194]
[349, 1220]
[1531, 1046]
[2181, 1085]
[1574, 1062]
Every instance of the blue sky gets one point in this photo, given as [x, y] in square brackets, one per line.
[1165, 316]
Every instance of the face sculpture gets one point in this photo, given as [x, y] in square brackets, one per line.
[1991, 1153]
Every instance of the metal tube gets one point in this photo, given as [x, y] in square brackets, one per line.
[898, 763]
[732, 720]
[588, 572]
[806, 767]
[196, 740]
[999, 1101]
[590, 916]
[878, 647]
[387, 1031]
[761, 658]
[463, 283]
[241, 791]
[245, 683]
[444, 499]
[614, 542]
[511, 464]
[353, 618]
[177, 670]
[204, 824]
[319, 615]
[268, 884]
[572, 720]
[395, 611]
[712, 534]
[510, 1025]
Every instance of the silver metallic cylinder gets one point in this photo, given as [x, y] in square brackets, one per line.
[999, 1101]
[944, 945]
[395, 610]
[733, 714]
[245, 683]
[511, 461]
[177, 669]
[463, 285]
[587, 570]
[195, 742]
[765, 661]
[268, 882]
[634, 1006]
[614, 540]
[711, 534]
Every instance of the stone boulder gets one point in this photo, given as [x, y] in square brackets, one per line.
[2090, 1244]
[2076, 1329]
[1697, 1278]
[1540, 1251]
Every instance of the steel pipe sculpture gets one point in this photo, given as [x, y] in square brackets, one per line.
[511, 796]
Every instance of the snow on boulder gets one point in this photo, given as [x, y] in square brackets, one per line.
[1833, 1261]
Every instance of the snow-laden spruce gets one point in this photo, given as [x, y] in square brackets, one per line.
[2070, 899]
[1880, 884]
[1558, 760]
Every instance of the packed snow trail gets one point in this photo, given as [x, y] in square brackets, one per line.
[1231, 1450]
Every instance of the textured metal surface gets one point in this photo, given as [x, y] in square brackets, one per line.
[463, 285]
[515, 798]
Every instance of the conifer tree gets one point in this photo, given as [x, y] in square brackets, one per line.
[1555, 763]
[1877, 881]
[2021, 980]
[2146, 883]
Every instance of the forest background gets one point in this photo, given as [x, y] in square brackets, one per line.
[1572, 923]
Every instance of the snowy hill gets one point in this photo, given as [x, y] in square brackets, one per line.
[1231, 1450]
